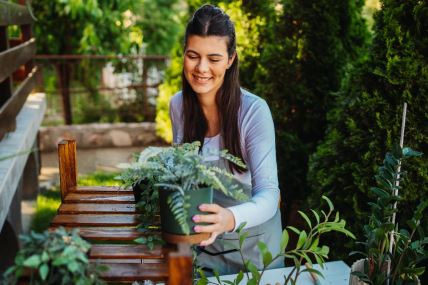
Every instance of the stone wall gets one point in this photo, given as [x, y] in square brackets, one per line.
[100, 135]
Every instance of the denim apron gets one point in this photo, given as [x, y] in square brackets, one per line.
[222, 255]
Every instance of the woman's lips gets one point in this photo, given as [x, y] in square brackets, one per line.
[201, 79]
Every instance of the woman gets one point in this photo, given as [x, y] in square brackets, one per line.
[213, 109]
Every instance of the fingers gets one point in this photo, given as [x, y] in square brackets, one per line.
[210, 240]
[207, 229]
[212, 208]
[211, 219]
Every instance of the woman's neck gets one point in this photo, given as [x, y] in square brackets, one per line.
[210, 109]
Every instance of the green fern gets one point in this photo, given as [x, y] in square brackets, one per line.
[181, 169]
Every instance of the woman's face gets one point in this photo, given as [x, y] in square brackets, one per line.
[205, 63]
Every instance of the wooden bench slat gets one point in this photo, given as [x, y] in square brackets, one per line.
[94, 220]
[127, 261]
[123, 251]
[99, 198]
[92, 208]
[115, 234]
[131, 272]
[101, 190]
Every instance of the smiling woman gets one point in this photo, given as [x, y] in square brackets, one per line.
[213, 109]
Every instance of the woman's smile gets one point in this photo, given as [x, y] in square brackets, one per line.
[201, 79]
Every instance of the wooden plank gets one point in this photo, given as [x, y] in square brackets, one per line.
[91, 220]
[11, 108]
[14, 14]
[11, 59]
[101, 190]
[107, 234]
[133, 272]
[99, 198]
[67, 166]
[92, 208]
[127, 261]
[123, 251]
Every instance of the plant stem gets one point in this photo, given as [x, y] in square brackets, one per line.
[243, 262]
[401, 255]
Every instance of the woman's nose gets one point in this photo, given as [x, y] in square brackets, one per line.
[202, 66]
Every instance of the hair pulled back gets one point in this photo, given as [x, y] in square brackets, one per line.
[209, 20]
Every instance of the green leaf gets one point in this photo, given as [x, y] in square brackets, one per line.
[302, 239]
[253, 269]
[45, 256]
[239, 277]
[43, 271]
[408, 152]
[293, 229]
[317, 217]
[33, 261]
[266, 255]
[304, 216]
[141, 240]
[242, 239]
[284, 240]
[330, 204]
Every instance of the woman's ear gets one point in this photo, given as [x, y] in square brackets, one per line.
[230, 60]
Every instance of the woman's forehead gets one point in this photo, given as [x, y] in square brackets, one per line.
[207, 44]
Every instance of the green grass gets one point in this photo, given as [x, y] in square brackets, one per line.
[47, 205]
[49, 201]
[99, 178]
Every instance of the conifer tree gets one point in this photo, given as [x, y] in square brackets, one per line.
[367, 117]
[310, 46]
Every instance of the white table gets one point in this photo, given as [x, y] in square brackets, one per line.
[335, 273]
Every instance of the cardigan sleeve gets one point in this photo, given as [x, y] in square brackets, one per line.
[259, 135]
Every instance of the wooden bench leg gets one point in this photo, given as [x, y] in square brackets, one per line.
[67, 166]
[180, 266]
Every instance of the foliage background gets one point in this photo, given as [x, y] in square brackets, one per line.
[334, 77]
[335, 80]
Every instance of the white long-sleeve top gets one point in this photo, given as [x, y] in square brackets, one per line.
[258, 149]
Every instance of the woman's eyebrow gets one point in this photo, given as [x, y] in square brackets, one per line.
[211, 54]
[215, 54]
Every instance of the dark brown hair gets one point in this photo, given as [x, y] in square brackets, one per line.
[209, 20]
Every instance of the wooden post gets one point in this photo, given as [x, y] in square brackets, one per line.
[180, 266]
[67, 166]
[64, 78]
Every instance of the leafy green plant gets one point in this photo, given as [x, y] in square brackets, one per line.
[179, 169]
[409, 244]
[57, 257]
[307, 250]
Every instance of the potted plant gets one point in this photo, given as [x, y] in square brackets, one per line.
[386, 260]
[177, 181]
[303, 254]
[57, 257]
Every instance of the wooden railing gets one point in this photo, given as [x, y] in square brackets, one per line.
[13, 60]
[68, 70]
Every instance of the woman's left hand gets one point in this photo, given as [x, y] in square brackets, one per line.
[220, 219]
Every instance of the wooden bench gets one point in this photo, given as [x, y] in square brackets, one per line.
[107, 218]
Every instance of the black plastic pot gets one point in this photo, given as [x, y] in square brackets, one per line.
[168, 222]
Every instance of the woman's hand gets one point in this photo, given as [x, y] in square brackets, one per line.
[220, 219]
